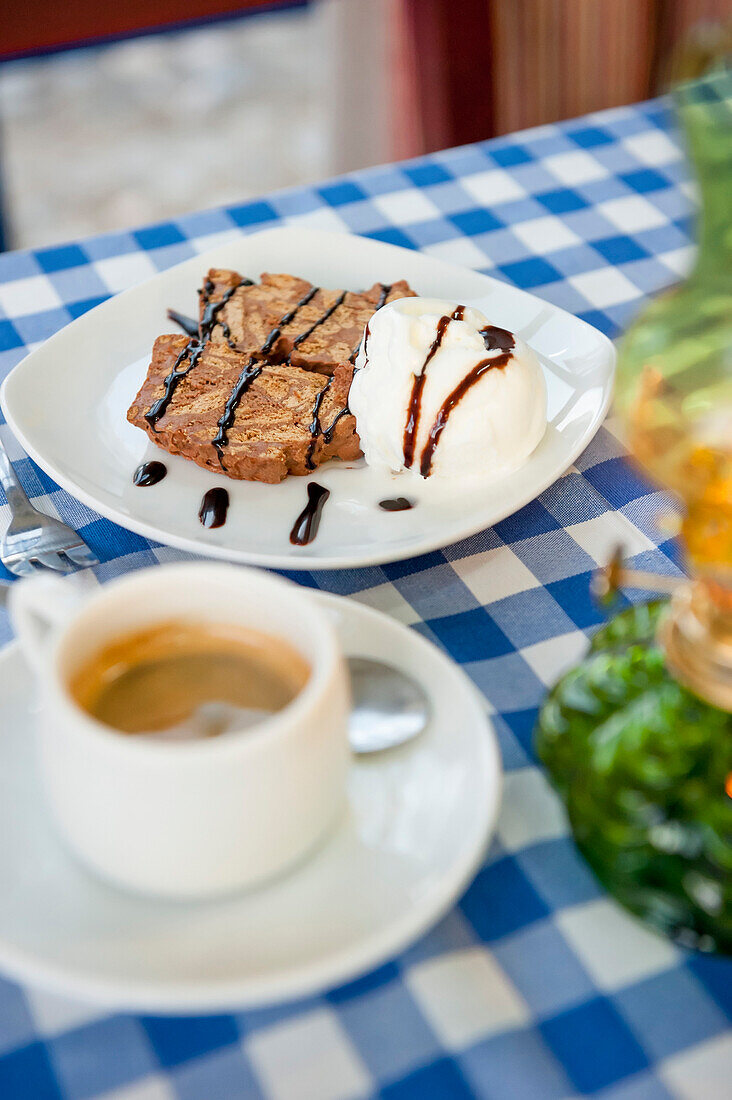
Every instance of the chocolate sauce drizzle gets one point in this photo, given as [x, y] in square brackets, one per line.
[396, 504]
[316, 324]
[188, 324]
[214, 506]
[346, 411]
[288, 318]
[250, 372]
[211, 310]
[316, 428]
[365, 341]
[330, 432]
[253, 368]
[226, 333]
[494, 338]
[190, 353]
[497, 339]
[149, 473]
[315, 425]
[193, 349]
[415, 401]
[305, 527]
[385, 292]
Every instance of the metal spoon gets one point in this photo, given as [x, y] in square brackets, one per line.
[389, 707]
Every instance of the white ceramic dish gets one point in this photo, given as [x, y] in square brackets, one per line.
[416, 828]
[66, 403]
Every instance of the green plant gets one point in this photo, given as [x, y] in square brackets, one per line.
[645, 769]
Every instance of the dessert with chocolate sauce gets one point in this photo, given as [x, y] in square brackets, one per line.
[262, 389]
[278, 376]
[245, 417]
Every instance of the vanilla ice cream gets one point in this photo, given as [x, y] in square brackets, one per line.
[439, 391]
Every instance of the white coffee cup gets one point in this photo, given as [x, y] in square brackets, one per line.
[197, 818]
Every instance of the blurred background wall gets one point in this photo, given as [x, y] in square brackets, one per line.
[114, 115]
[537, 61]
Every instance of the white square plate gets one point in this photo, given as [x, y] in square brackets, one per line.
[67, 403]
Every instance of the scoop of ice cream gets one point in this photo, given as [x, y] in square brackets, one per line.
[441, 392]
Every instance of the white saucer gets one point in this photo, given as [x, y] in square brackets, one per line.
[93, 367]
[418, 821]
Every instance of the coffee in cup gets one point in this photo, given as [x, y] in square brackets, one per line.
[183, 679]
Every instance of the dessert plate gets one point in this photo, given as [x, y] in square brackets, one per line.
[67, 402]
[415, 829]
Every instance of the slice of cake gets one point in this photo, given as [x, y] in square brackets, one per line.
[242, 414]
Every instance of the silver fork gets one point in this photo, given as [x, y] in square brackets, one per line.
[34, 541]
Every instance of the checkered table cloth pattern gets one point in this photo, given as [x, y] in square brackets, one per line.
[536, 985]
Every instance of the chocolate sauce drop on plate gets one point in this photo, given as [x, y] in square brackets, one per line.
[188, 324]
[396, 504]
[305, 527]
[149, 473]
[214, 507]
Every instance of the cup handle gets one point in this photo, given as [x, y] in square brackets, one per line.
[38, 607]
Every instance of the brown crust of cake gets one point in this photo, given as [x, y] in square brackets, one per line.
[271, 434]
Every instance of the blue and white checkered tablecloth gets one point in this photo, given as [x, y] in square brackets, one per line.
[536, 985]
